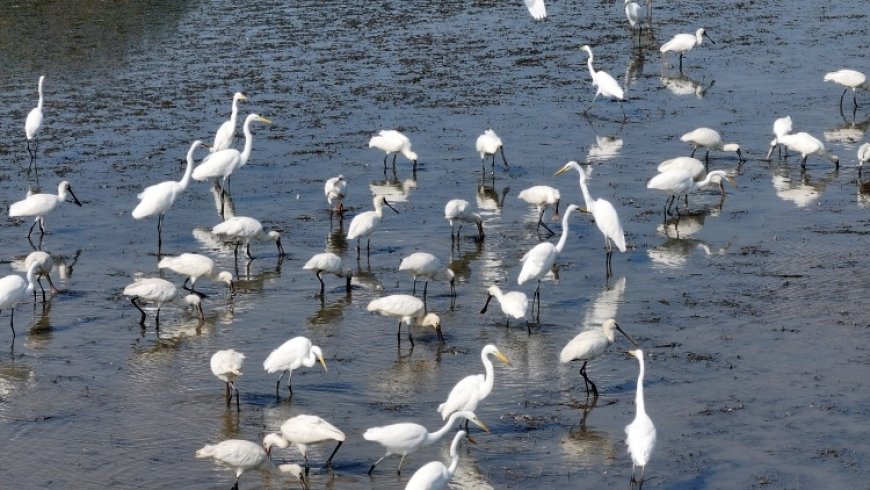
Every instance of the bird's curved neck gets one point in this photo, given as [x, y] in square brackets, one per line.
[432, 437]
[489, 380]
[454, 457]
[235, 113]
[638, 398]
[589, 64]
[585, 190]
[249, 142]
[31, 279]
[39, 103]
[709, 178]
[188, 171]
[564, 238]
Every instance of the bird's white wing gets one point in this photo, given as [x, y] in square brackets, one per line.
[536, 8]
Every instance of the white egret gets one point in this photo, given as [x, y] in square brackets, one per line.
[303, 431]
[405, 438]
[242, 229]
[640, 434]
[13, 290]
[632, 13]
[863, 156]
[434, 475]
[195, 266]
[514, 304]
[333, 189]
[606, 84]
[470, 390]
[296, 352]
[690, 164]
[39, 205]
[45, 264]
[242, 456]
[221, 164]
[850, 79]
[364, 224]
[604, 214]
[542, 197]
[710, 139]
[456, 211]
[408, 310]
[489, 144]
[227, 131]
[426, 265]
[679, 181]
[160, 291]
[682, 43]
[538, 261]
[330, 263]
[589, 344]
[537, 8]
[781, 127]
[805, 144]
[158, 198]
[393, 142]
[227, 366]
[34, 122]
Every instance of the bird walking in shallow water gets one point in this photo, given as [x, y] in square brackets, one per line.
[45, 263]
[589, 345]
[603, 213]
[435, 475]
[409, 310]
[709, 139]
[303, 431]
[605, 84]
[13, 290]
[227, 366]
[330, 263]
[426, 265]
[195, 266]
[296, 352]
[160, 291]
[679, 181]
[849, 79]
[805, 144]
[33, 124]
[158, 198]
[393, 142]
[242, 229]
[514, 304]
[242, 456]
[40, 205]
[682, 43]
[640, 434]
[364, 224]
[225, 134]
[471, 390]
[488, 144]
[334, 189]
[456, 211]
[542, 197]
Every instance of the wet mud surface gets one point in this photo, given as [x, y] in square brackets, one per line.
[751, 309]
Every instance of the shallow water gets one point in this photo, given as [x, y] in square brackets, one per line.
[750, 310]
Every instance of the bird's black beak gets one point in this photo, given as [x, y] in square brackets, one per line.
[708, 37]
[627, 336]
[75, 199]
[486, 305]
[390, 206]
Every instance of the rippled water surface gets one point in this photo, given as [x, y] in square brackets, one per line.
[752, 310]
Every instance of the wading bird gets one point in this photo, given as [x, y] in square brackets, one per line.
[456, 211]
[13, 290]
[682, 43]
[604, 214]
[709, 139]
[588, 345]
[470, 390]
[606, 85]
[364, 224]
[39, 205]
[426, 265]
[227, 131]
[781, 127]
[537, 8]
[850, 79]
[434, 475]
[303, 431]
[863, 157]
[542, 197]
[488, 144]
[158, 198]
[405, 438]
[393, 142]
[160, 291]
[45, 263]
[227, 366]
[538, 261]
[242, 456]
[34, 123]
[242, 229]
[195, 266]
[640, 434]
[331, 264]
[805, 144]
[296, 352]
[408, 310]
[678, 182]
[514, 304]
[334, 191]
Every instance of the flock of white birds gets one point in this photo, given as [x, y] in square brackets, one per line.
[677, 177]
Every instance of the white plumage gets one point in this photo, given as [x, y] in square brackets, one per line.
[678, 181]
[34, 118]
[514, 304]
[590, 344]
[689, 164]
[863, 155]
[632, 12]
[805, 144]
[242, 229]
[409, 310]
[434, 475]
[296, 352]
[238, 455]
[640, 434]
[470, 390]
[305, 430]
[605, 84]
[330, 263]
[39, 205]
[227, 366]
[426, 265]
[456, 211]
[13, 289]
[158, 198]
[365, 223]
[334, 189]
[488, 144]
[159, 291]
[710, 139]
[683, 43]
[405, 438]
[393, 142]
[195, 266]
[227, 131]
[221, 164]
[45, 264]
[537, 8]
[542, 197]
[850, 79]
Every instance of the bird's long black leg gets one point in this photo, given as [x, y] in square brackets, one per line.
[135, 302]
[329, 460]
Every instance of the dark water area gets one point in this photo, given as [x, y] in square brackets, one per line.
[751, 309]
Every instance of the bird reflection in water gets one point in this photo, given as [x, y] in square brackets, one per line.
[586, 447]
[605, 147]
[406, 379]
[488, 198]
[674, 252]
[864, 193]
[802, 191]
[849, 133]
[393, 190]
[682, 85]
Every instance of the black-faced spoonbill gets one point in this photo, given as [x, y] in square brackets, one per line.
[589, 345]
[39, 205]
[682, 43]
[227, 366]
